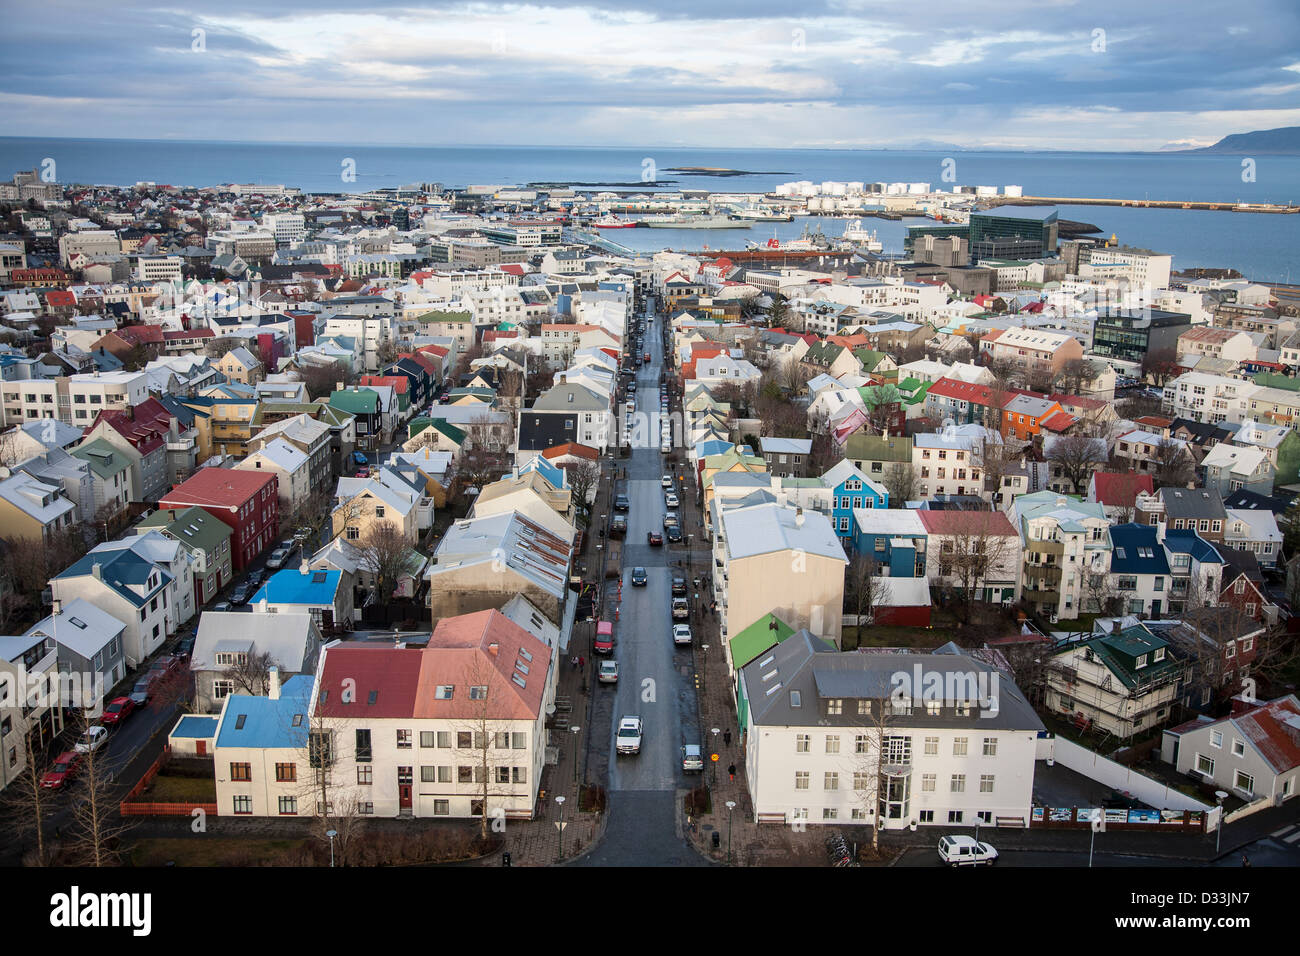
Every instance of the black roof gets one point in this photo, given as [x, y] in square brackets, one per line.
[539, 431]
[1277, 503]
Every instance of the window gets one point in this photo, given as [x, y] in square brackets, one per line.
[241, 771]
[288, 806]
[834, 706]
[860, 744]
[1238, 748]
[428, 738]
[365, 775]
[959, 746]
[931, 746]
[802, 743]
[986, 783]
[832, 743]
[1216, 738]
[518, 740]
[441, 808]
[990, 746]
[954, 816]
[428, 774]
[243, 804]
[363, 747]
[927, 816]
[958, 783]
[801, 780]
[286, 772]
[831, 780]
[464, 740]
[1204, 765]
[1243, 781]
[403, 740]
[927, 782]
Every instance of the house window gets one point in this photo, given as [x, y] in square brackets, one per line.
[834, 706]
[242, 772]
[831, 780]
[958, 783]
[365, 775]
[927, 782]
[363, 746]
[1243, 781]
[1238, 748]
[1204, 765]
[801, 780]
[1216, 738]
[288, 806]
[931, 746]
[990, 746]
[403, 740]
[286, 772]
[986, 783]
[959, 746]
[243, 804]
[832, 743]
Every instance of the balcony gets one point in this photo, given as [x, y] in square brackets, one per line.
[1055, 548]
[1049, 575]
[1045, 595]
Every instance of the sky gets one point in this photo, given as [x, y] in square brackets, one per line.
[1051, 74]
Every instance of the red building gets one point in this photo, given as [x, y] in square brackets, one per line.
[248, 501]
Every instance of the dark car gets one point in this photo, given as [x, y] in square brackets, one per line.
[242, 593]
[679, 583]
[654, 539]
[142, 691]
[639, 577]
[116, 710]
[185, 646]
[673, 533]
[621, 503]
[618, 527]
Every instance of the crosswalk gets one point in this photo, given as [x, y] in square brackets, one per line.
[1288, 834]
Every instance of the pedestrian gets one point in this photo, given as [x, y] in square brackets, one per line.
[582, 663]
[731, 772]
[574, 661]
[726, 736]
[1245, 860]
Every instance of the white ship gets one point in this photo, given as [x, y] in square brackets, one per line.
[761, 214]
[863, 238]
[696, 222]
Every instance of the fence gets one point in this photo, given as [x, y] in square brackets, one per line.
[1118, 818]
[1118, 777]
[129, 807]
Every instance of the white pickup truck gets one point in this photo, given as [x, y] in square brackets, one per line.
[629, 735]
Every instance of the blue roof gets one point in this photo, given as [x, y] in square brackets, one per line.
[195, 725]
[1137, 550]
[119, 570]
[1187, 541]
[291, 586]
[552, 473]
[267, 722]
[714, 446]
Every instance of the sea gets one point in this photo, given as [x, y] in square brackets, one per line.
[1261, 246]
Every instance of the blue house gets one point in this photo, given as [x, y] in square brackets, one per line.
[324, 594]
[895, 538]
[1139, 569]
[850, 490]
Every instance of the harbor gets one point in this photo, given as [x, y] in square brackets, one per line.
[1273, 208]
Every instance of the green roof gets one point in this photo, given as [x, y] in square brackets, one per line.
[768, 631]
[438, 424]
[191, 526]
[869, 358]
[436, 316]
[867, 447]
[104, 459]
[362, 401]
[1274, 380]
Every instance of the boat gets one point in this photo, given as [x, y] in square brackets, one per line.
[807, 242]
[761, 214]
[696, 222]
[613, 222]
[865, 238]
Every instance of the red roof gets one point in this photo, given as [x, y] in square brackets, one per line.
[1058, 421]
[145, 425]
[400, 383]
[1120, 489]
[966, 522]
[59, 298]
[572, 448]
[141, 334]
[422, 360]
[218, 487]
[513, 268]
[184, 334]
[962, 391]
[438, 350]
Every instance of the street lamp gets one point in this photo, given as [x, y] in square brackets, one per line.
[560, 801]
[1220, 796]
[331, 834]
[715, 731]
[576, 729]
[731, 805]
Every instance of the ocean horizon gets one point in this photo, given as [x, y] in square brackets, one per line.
[1259, 245]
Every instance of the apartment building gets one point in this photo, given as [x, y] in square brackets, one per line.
[1066, 544]
[74, 399]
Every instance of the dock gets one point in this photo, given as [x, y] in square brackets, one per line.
[1273, 208]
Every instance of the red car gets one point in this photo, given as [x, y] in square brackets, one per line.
[63, 770]
[654, 539]
[116, 710]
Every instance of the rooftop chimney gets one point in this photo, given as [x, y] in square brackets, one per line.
[494, 648]
[798, 517]
[97, 571]
[273, 680]
[303, 568]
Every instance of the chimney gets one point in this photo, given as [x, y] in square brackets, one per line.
[494, 648]
[273, 679]
[261, 606]
[97, 571]
[798, 517]
[303, 567]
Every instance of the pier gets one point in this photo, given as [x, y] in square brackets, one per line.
[1274, 208]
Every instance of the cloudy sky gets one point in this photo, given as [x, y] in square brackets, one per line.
[1094, 74]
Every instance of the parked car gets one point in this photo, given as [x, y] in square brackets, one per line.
[692, 758]
[185, 646]
[966, 851]
[618, 527]
[277, 559]
[670, 500]
[681, 610]
[679, 583]
[666, 481]
[94, 737]
[604, 640]
[63, 769]
[674, 534]
[629, 735]
[359, 459]
[670, 519]
[221, 606]
[607, 672]
[654, 539]
[621, 502]
[639, 577]
[681, 633]
[142, 691]
[242, 592]
[118, 709]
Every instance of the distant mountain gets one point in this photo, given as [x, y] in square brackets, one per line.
[1283, 140]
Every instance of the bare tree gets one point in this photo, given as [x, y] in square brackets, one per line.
[334, 802]
[321, 380]
[487, 738]
[864, 587]
[1160, 366]
[251, 674]
[94, 836]
[25, 800]
[996, 460]
[1077, 456]
[902, 483]
[583, 478]
[973, 546]
[881, 406]
[1103, 595]
[1173, 464]
[1074, 376]
[385, 553]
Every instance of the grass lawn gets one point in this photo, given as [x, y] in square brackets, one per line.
[208, 851]
[881, 636]
[166, 789]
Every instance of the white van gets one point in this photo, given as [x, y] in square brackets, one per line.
[965, 851]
